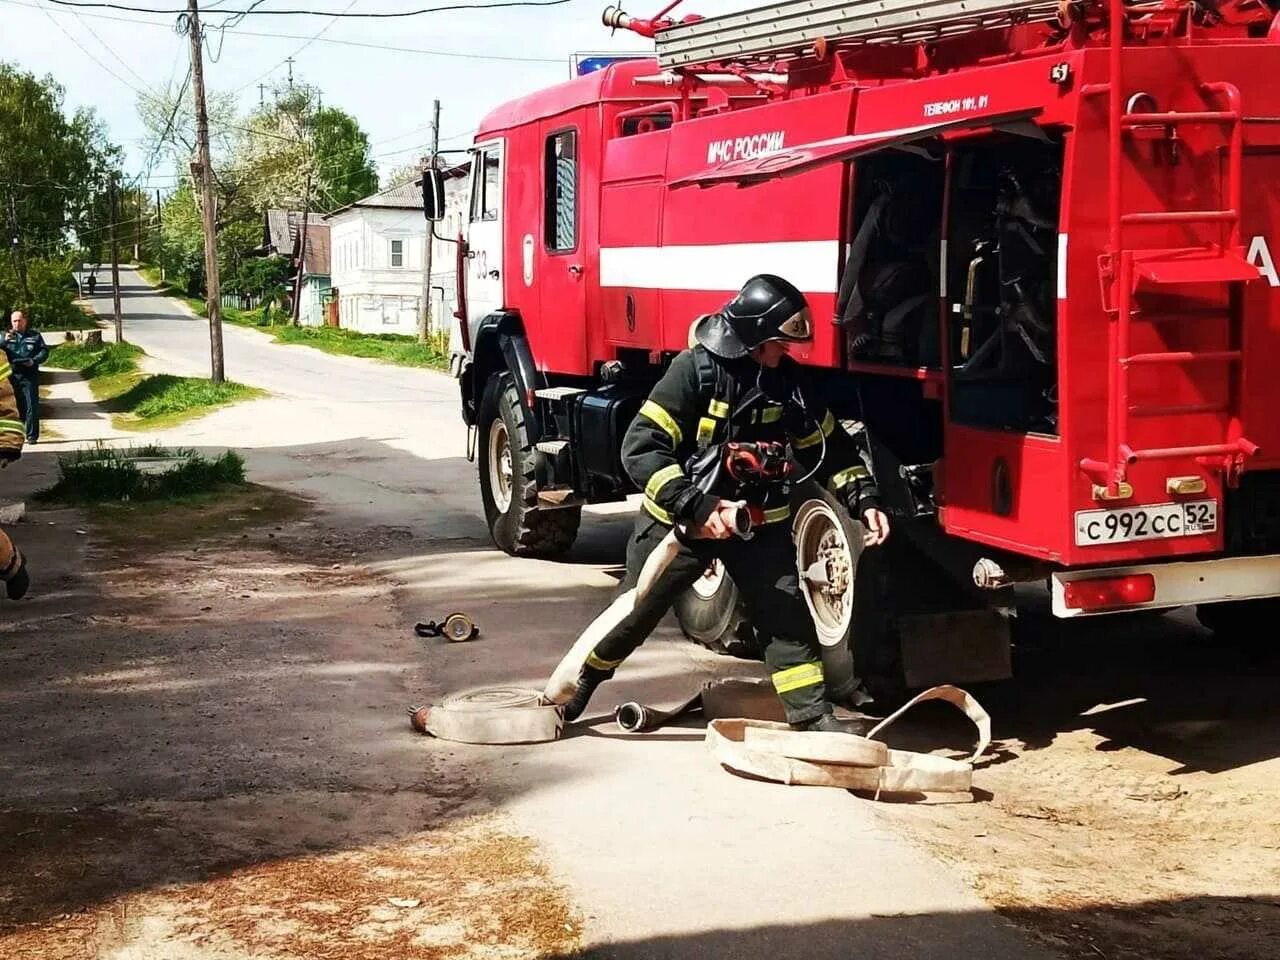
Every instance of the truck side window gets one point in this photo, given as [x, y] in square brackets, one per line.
[560, 182]
[486, 186]
[492, 185]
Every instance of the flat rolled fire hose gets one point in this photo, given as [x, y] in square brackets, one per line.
[773, 751]
[516, 715]
[491, 715]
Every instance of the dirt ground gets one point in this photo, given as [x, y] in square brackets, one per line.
[1128, 805]
[171, 795]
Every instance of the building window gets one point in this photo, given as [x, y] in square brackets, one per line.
[397, 253]
[560, 185]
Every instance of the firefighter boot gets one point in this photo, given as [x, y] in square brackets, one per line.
[588, 680]
[16, 585]
[830, 723]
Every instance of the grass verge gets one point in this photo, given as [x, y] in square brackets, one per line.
[101, 474]
[393, 348]
[140, 402]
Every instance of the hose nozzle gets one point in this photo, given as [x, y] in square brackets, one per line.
[615, 19]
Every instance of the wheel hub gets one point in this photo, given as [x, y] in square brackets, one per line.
[826, 562]
[501, 471]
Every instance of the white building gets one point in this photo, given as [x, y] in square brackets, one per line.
[375, 260]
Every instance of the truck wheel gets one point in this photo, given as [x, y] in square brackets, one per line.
[711, 613]
[1241, 621]
[845, 591]
[507, 484]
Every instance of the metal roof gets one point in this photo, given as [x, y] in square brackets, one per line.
[404, 196]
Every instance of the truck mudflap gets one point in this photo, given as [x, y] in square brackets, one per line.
[1079, 593]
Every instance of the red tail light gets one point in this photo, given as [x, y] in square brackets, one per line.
[1105, 592]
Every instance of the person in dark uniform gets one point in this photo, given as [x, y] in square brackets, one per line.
[737, 382]
[26, 350]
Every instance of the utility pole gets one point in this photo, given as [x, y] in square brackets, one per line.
[137, 225]
[302, 248]
[424, 320]
[289, 61]
[262, 94]
[160, 236]
[115, 257]
[203, 169]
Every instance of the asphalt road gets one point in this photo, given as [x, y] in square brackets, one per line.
[168, 331]
[668, 855]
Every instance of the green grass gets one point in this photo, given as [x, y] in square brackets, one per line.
[393, 348]
[138, 401]
[163, 400]
[101, 474]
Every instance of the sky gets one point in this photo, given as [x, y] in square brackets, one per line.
[471, 60]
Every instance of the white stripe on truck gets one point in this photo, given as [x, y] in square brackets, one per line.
[812, 265]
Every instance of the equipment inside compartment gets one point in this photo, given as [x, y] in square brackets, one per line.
[1001, 273]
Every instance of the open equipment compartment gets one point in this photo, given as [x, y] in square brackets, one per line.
[1002, 265]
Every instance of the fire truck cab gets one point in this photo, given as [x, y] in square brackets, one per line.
[1039, 242]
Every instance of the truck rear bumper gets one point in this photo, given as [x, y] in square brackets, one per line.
[1176, 584]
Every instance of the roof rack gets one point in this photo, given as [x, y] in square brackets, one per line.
[790, 29]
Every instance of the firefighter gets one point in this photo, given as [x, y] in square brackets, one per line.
[737, 383]
[26, 351]
[13, 566]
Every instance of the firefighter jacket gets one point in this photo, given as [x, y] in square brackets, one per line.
[12, 431]
[26, 352]
[704, 400]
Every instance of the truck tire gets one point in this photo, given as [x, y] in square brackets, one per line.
[849, 611]
[507, 485]
[711, 613]
[1239, 621]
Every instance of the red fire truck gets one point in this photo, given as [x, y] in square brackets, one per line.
[1022, 227]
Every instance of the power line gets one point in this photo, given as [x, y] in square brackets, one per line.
[304, 46]
[422, 51]
[379, 15]
[106, 46]
[87, 53]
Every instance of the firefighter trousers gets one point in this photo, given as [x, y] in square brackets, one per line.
[764, 570]
[27, 392]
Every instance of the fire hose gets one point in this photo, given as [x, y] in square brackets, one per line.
[515, 715]
[745, 730]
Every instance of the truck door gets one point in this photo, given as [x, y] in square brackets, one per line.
[484, 234]
[563, 286]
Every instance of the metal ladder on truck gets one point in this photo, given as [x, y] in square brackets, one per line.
[796, 28]
[1122, 269]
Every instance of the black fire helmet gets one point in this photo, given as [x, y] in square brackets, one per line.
[766, 308]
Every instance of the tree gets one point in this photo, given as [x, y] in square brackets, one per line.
[344, 166]
[407, 174]
[52, 167]
[287, 154]
[290, 139]
[53, 174]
